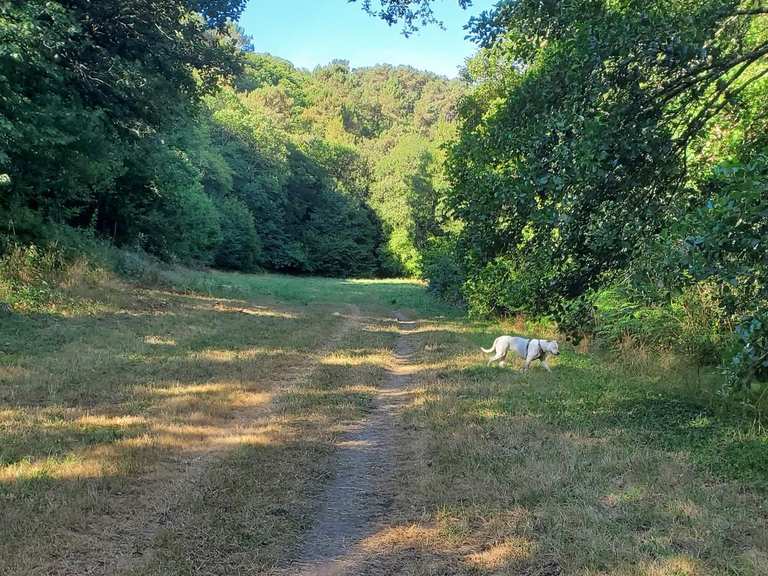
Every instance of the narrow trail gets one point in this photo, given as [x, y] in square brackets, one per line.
[124, 539]
[361, 493]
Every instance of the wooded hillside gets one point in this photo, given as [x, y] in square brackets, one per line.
[164, 131]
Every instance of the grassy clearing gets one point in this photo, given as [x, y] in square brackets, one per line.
[382, 295]
[598, 468]
[150, 431]
[147, 431]
[247, 514]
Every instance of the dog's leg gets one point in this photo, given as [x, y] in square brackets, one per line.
[499, 356]
[544, 362]
[528, 361]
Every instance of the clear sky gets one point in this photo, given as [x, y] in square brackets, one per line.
[314, 32]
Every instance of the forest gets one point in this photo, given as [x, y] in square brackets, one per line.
[602, 163]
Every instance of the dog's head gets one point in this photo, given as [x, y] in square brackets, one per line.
[553, 348]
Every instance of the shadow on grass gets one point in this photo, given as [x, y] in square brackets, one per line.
[184, 372]
[582, 396]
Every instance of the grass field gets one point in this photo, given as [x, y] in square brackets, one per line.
[193, 430]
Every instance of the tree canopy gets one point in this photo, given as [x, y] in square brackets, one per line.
[158, 129]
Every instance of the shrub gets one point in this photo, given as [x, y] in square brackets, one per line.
[576, 318]
[31, 277]
[692, 322]
[139, 267]
[501, 287]
[240, 247]
[750, 363]
[443, 270]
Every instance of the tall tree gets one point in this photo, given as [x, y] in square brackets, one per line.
[572, 152]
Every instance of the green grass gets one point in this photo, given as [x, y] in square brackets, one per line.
[597, 468]
[196, 424]
[383, 294]
[675, 407]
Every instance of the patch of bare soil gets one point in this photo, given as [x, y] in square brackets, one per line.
[357, 500]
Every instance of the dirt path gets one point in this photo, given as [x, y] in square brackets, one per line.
[124, 539]
[361, 492]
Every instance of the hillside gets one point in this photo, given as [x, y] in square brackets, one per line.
[239, 161]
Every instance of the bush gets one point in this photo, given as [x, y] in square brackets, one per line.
[240, 247]
[32, 277]
[749, 365]
[139, 267]
[692, 322]
[443, 270]
[576, 318]
[502, 288]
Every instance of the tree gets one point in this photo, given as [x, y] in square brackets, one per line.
[412, 13]
[572, 150]
[84, 84]
[405, 199]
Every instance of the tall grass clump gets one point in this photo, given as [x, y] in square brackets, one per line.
[34, 276]
[692, 322]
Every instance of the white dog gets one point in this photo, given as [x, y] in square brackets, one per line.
[530, 349]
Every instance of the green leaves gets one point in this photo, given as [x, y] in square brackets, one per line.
[564, 157]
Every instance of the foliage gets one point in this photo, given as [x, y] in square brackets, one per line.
[412, 13]
[442, 266]
[83, 82]
[404, 197]
[240, 246]
[751, 361]
[159, 130]
[609, 169]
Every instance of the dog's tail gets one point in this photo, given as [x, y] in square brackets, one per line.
[491, 349]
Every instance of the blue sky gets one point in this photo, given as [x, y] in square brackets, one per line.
[314, 32]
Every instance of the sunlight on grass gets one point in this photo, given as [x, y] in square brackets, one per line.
[92, 420]
[629, 495]
[184, 400]
[159, 341]
[67, 468]
[503, 554]
[225, 355]
[357, 358]
[262, 311]
[677, 566]
[193, 389]
[400, 537]
[205, 437]
[385, 281]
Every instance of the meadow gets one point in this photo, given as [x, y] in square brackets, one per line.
[193, 428]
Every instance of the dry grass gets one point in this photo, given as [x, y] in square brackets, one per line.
[161, 433]
[147, 432]
[491, 482]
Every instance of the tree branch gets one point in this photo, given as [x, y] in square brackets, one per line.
[690, 79]
[750, 12]
[708, 112]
